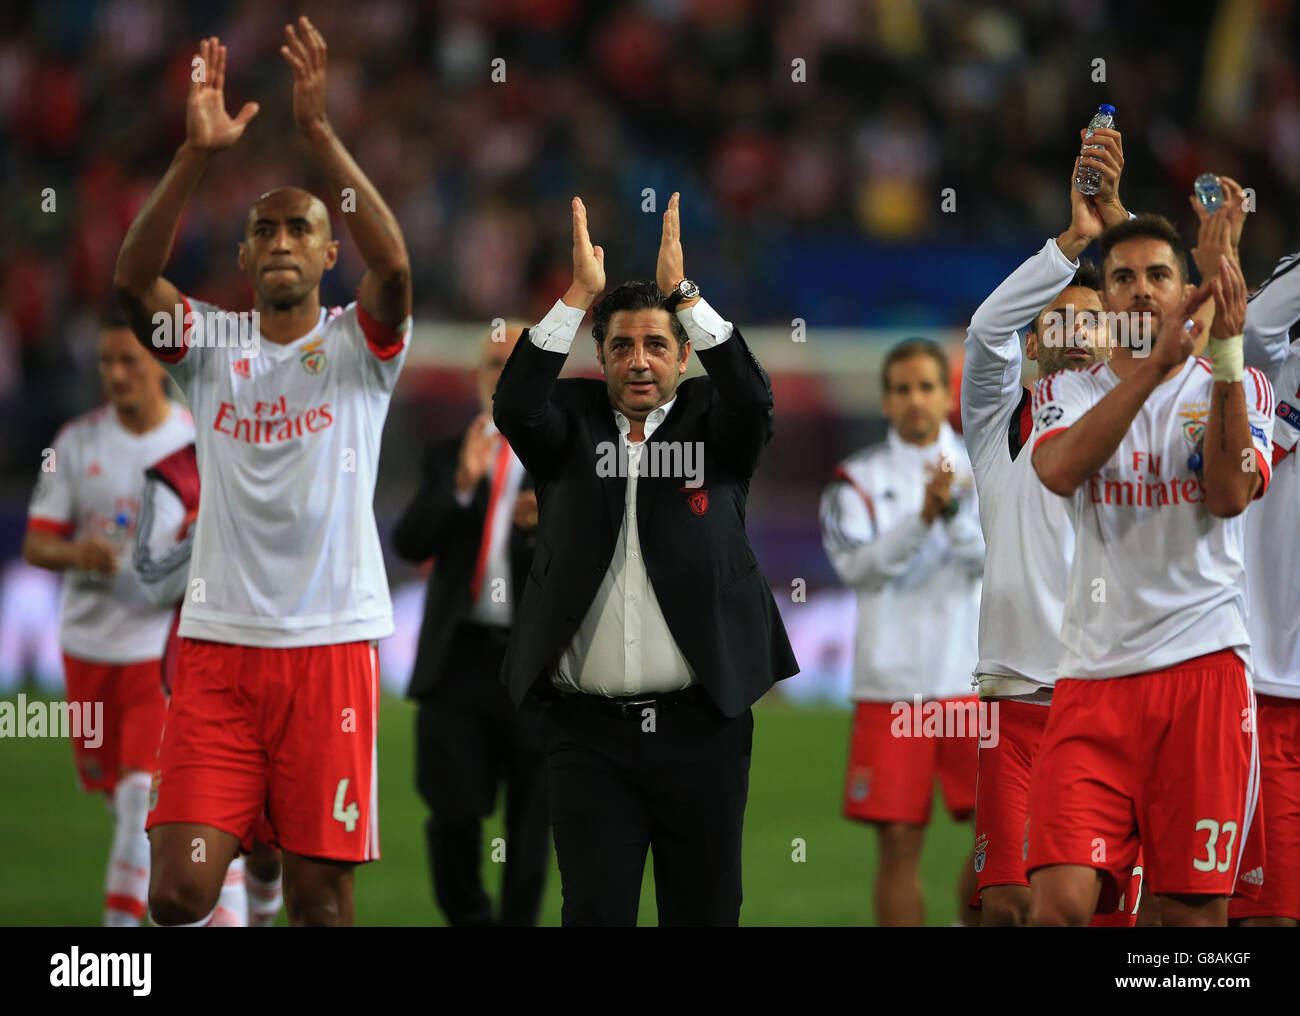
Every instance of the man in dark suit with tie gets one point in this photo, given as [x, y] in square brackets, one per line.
[475, 513]
[645, 624]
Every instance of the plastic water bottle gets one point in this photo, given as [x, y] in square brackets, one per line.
[118, 535]
[1088, 179]
[1209, 191]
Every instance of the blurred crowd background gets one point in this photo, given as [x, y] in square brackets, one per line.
[812, 143]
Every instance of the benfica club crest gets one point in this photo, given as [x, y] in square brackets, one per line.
[698, 501]
[1193, 414]
[313, 360]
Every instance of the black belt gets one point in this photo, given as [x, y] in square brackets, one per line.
[631, 707]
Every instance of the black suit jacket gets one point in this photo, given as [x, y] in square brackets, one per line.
[714, 597]
[435, 525]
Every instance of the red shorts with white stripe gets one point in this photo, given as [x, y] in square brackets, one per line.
[1167, 758]
[288, 731]
[132, 718]
[891, 777]
[1002, 808]
[1277, 877]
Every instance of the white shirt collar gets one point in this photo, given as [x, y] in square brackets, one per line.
[652, 421]
[946, 438]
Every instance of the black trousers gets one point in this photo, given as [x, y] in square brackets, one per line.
[621, 785]
[469, 740]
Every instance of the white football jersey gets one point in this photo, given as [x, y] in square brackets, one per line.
[1272, 537]
[918, 586]
[92, 487]
[1027, 528]
[1156, 579]
[286, 552]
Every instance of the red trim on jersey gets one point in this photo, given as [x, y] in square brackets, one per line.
[1265, 471]
[841, 474]
[385, 341]
[1095, 369]
[1026, 420]
[176, 355]
[1279, 453]
[1051, 433]
[36, 524]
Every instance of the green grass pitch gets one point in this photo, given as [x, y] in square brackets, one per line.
[56, 837]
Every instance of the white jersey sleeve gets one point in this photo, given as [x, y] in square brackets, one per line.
[861, 554]
[1259, 411]
[1060, 400]
[1270, 312]
[162, 555]
[991, 387]
[381, 349]
[53, 504]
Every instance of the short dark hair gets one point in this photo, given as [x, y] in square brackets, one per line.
[637, 294]
[909, 348]
[1154, 227]
[1087, 277]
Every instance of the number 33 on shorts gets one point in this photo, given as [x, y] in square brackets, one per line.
[349, 813]
[1217, 856]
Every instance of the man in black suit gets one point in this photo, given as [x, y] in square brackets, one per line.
[645, 624]
[476, 514]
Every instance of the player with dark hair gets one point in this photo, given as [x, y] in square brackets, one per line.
[1027, 528]
[1158, 452]
[276, 696]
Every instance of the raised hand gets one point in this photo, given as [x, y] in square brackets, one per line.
[208, 127]
[1086, 222]
[1229, 300]
[1175, 342]
[475, 454]
[1104, 152]
[1219, 234]
[588, 262]
[305, 53]
[669, 271]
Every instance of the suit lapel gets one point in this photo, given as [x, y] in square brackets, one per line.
[601, 425]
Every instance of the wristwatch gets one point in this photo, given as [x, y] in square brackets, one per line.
[686, 290]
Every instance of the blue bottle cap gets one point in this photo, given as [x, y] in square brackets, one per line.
[1106, 108]
[122, 520]
[1194, 461]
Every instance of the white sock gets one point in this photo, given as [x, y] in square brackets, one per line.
[126, 884]
[264, 900]
[232, 904]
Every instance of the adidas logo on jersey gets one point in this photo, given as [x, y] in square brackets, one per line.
[1255, 876]
[93, 469]
[240, 367]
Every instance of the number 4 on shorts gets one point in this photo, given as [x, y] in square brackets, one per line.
[347, 815]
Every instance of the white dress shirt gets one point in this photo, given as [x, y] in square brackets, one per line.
[623, 645]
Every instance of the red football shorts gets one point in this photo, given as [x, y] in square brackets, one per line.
[1277, 879]
[133, 710]
[288, 731]
[1002, 807]
[894, 759]
[1167, 758]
